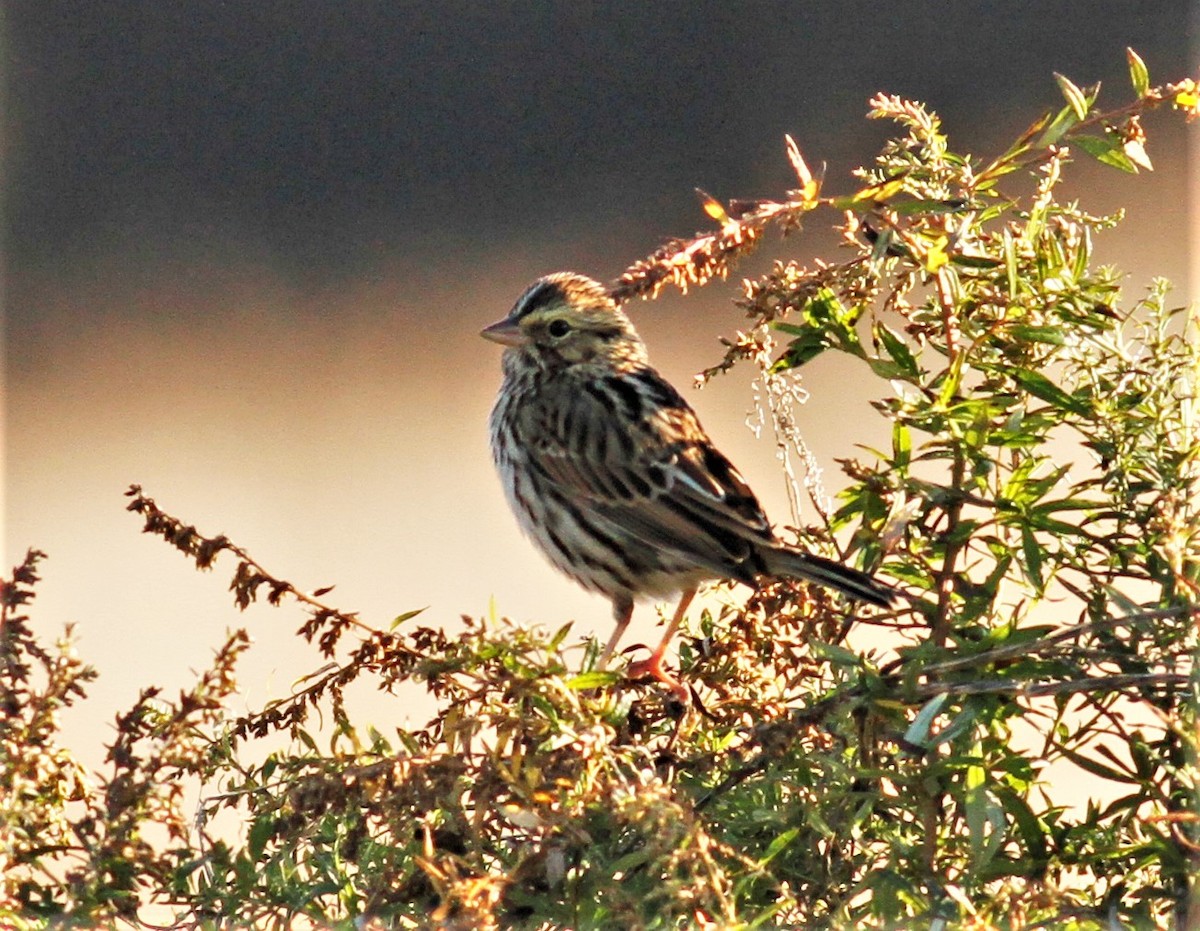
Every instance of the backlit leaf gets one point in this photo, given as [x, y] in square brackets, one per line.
[810, 187]
[1138, 75]
[1136, 150]
[1057, 128]
[1075, 97]
[593, 680]
[712, 207]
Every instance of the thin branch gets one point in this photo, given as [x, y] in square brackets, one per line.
[1032, 647]
[1113, 683]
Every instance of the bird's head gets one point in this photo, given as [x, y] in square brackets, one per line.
[568, 319]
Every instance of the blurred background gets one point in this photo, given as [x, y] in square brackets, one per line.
[249, 246]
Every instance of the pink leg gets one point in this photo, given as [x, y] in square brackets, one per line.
[652, 666]
[622, 612]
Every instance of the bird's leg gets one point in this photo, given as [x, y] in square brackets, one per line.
[652, 666]
[622, 612]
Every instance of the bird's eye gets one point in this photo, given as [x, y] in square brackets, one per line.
[559, 328]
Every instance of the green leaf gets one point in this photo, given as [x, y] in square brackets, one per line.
[826, 307]
[1122, 601]
[992, 583]
[1022, 488]
[546, 708]
[959, 724]
[1042, 387]
[1032, 551]
[936, 256]
[596, 679]
[897, 348]
[1107, 753]
[1139, 76]
[929, 206]
[1038, 520]
[1106, 150]
[827, 323]
[901, 445]
[968, 260]
[1009, 161]
[260, 832]
[559, 636]
[406, 616]
[918, 732]
[816, 819]
[885, 369]
[809, 343]
[952, 380]
[1057, 128]
[1083, 255]
[1096, 768]
[835, 654]
[630, 861]
[1010, 263]
[244, 875]
[871, 194]
[1051, 335]
[306, 738]
[1032, 831]
[778, 845]
[1074, 95]
[975, 803]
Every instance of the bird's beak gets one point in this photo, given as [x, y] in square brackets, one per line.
[507, 332]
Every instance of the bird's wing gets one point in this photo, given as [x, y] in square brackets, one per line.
[630, 449]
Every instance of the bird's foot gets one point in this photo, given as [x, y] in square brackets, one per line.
[652, 667]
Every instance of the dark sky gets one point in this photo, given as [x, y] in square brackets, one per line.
[328, 134]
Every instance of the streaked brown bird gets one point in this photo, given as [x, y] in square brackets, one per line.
[610, 473]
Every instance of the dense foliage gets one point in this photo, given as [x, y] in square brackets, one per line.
[1039, 504]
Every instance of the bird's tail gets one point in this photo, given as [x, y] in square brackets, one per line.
[790, 563]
